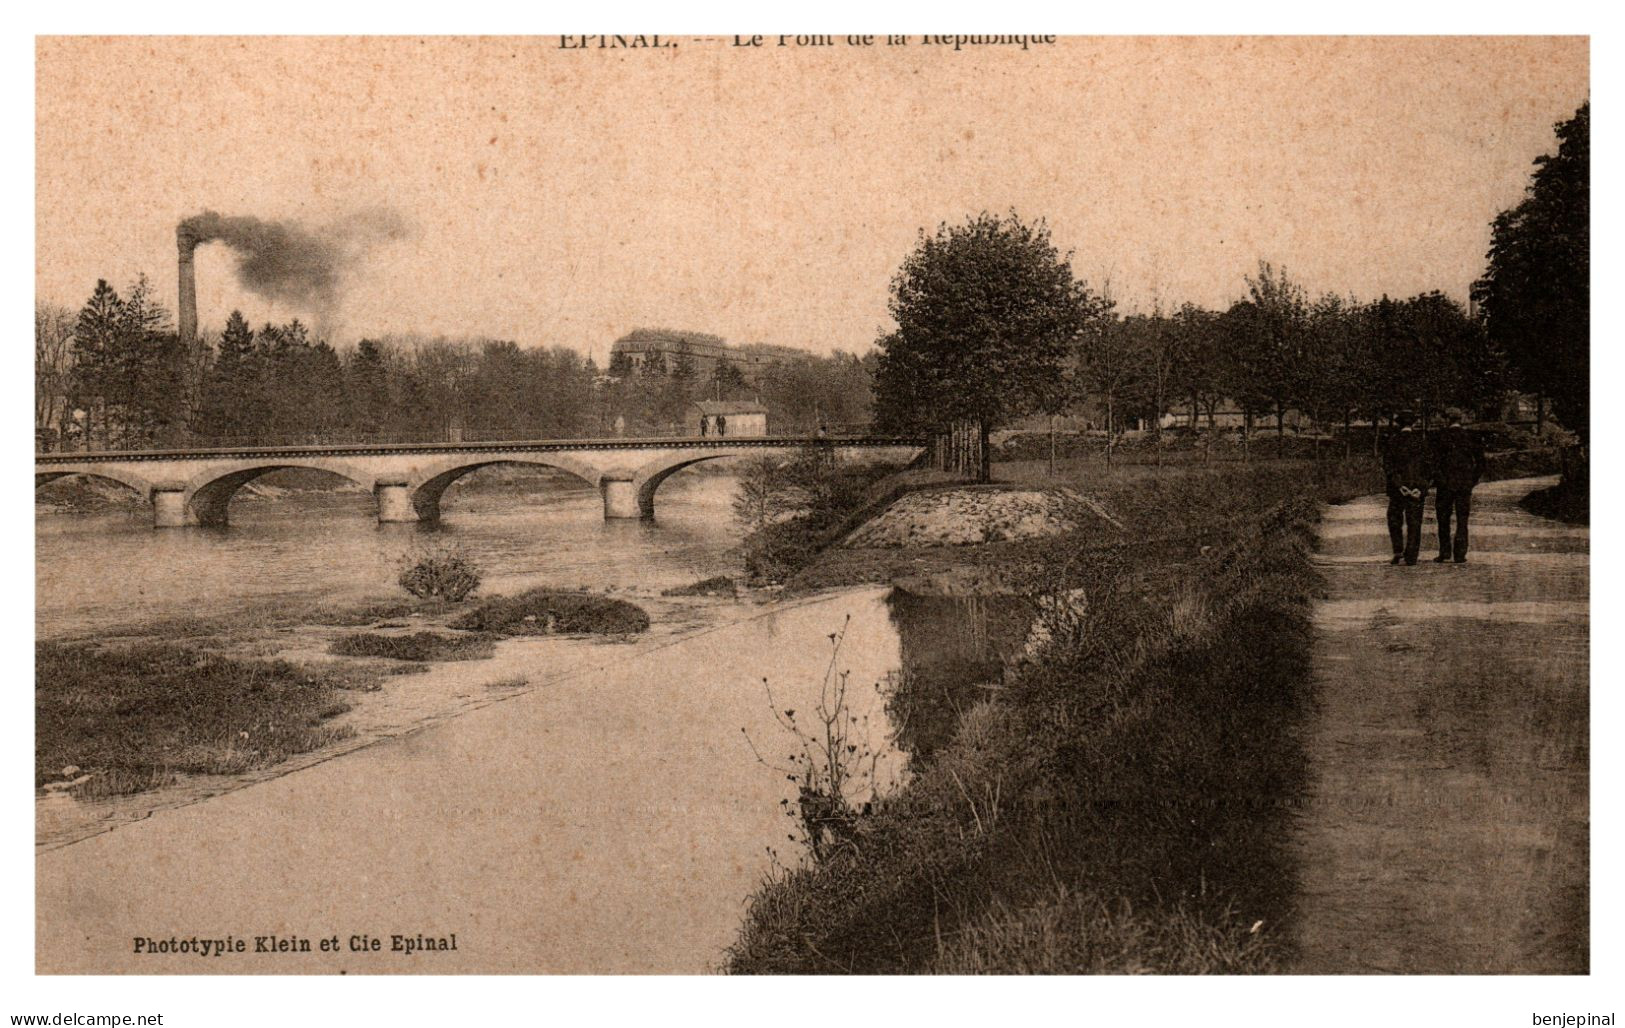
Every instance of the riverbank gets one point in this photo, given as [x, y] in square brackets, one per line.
[609, 819]
[312, 701]
[1121, 802]
[1128, 799]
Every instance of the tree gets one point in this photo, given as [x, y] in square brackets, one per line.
[1536, 293]
[1339, 364]
[53, 369]
[367, 379]
[986, 313]
[1270, 340]
[228, 386]
[1104, 352]
[1197, 379]
[147, 369]
[728, 382]
[1160, 346]
[1463, 369]
[95, 341]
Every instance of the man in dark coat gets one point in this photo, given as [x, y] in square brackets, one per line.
[1405, 464]
[1458, 464]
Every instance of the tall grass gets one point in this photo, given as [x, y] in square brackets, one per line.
[1123, 804]
[132, 718]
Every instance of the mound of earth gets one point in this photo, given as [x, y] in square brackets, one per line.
[963, 517]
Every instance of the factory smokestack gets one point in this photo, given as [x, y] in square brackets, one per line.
[285, 261]
[186, 308]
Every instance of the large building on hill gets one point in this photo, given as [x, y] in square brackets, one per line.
[642, 347]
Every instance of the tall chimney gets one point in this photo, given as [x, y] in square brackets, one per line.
[186, 312]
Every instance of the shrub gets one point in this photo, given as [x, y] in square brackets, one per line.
[444, 575]
[719, 585]
[541, 612]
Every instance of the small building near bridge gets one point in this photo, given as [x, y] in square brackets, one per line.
[727, 418]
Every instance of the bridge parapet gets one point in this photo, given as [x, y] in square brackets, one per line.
[195, 487]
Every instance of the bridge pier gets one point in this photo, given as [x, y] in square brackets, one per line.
[394, 503]
[621, 499]
[168, 508]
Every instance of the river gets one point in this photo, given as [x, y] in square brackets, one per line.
[615, 818]
[95, 571]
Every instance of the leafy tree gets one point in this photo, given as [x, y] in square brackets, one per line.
[1269, 340]
[1536, 294]
[1455, 362]
[1196, 379]
[1338, 363]
[986, 313]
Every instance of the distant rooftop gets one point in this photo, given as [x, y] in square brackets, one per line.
[702, 344]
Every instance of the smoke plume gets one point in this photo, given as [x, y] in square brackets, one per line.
[290, 262]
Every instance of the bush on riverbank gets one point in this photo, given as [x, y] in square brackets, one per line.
[717, 585]
[1122, 804]
[419, 646]
[444, 575]
[788, 509]
[132, 718]
[543, 612]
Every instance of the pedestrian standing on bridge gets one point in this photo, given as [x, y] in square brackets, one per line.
[722, 424]
[1405, 465]
[1458, 464]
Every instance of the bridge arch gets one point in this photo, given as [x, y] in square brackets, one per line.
[430, 483]
[109, 472]
[206, 497]
[648, 478]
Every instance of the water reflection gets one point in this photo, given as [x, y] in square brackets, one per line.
[98, 570]
[952, 649]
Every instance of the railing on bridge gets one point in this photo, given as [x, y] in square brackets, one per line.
[516, 446]
[261, 441]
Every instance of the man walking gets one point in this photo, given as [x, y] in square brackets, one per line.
[1405, 464]
[1458, 464]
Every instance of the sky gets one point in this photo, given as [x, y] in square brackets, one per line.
[768, 194]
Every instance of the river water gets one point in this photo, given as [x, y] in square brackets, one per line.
[614, 819]
[95, 571]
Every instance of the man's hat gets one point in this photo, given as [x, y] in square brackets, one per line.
[1454, 416]
[1405, 417]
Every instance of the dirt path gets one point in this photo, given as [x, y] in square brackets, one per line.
[1447, 828]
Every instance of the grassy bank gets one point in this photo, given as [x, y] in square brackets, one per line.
[130, 719]
[418, 646]
[1122, 803]
[1163, 516]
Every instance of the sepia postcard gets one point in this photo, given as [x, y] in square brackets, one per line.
[812, 504]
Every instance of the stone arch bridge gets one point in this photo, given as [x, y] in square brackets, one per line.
[195, 487]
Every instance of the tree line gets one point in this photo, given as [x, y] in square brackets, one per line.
[1330, 360]
[993, 326]
[115, 376]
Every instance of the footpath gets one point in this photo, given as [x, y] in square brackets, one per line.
[1447, 824]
